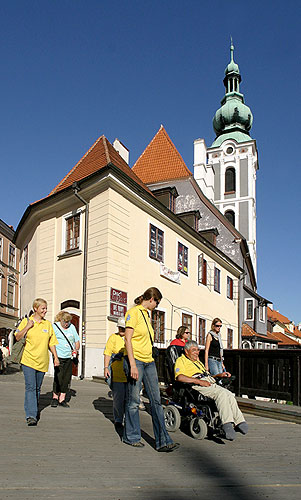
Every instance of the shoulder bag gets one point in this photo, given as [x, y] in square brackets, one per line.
[17, 350]
[74, 358]
[155, 350]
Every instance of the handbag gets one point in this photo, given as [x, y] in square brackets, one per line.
[155, 350]
[17, 351]
[74, 358]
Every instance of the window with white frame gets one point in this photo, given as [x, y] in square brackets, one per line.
[217, 280]
[156, 243]
[261, 313]
[202, 331]
[229, 338]
[202, 270]
[25, 259]
[72, 237]
[249, 309]
[187, 321]
[12, 256]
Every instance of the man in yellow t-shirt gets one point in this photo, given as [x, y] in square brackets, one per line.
[189, 369]
[40, 337]
[115, 345]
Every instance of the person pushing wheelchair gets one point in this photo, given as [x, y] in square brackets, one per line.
[189, 369]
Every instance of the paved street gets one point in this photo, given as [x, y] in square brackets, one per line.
[76, 453]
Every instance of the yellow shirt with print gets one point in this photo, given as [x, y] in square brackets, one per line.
[184, 366]
[115, 344]
[142, 347]
[39, 338]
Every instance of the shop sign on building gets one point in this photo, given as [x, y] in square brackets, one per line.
[169, 274]
[118, 303]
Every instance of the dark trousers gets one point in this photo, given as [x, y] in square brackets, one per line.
[62, 375]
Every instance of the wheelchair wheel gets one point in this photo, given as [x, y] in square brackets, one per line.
[172, 418]
[198, 428]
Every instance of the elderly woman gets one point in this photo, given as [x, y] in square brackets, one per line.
[68, 345]
[139, 338]
[35, 359]
[181, 337]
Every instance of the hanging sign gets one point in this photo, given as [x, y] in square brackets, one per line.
[118, 303]
[169, 274]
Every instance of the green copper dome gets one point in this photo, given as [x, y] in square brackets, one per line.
[233, 120]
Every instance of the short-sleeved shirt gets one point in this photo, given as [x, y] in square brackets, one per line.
[38, 339]
[114, 345]
[184, 366]
[63, 349]
[142, 346]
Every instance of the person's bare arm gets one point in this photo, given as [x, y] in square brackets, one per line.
[106, 365]
[56, 361]
[129, 349]
[191, 380]
[207, 345]
[20, 334]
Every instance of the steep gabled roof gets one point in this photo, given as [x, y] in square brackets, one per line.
[276, 316]
[160, 161]
[284, 340]
[97, 157]
[247, 332]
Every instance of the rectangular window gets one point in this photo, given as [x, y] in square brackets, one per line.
[202, 331]
[217, 280]
[72, 232]
[25, 259]
[10, 293]
[182, 258]
[156, 243]
[12, 255]
[262, 313]
[229, 288]
[158, 324]
[202, 270]
[249, 309]
[172, 203]
[1, 245]
[187, 321]
[229, 338]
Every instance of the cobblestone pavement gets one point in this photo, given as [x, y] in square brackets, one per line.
[75, 453]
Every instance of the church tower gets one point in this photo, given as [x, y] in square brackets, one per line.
[226, 171]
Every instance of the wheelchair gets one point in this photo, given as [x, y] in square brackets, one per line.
[186, 408]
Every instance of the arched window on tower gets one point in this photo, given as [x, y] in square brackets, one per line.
[230, 184]
[230, 215]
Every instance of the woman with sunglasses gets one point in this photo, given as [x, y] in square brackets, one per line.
[214, 349]
[181, 337]
[139, 338]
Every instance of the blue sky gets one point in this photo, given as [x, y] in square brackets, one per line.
[72, 70]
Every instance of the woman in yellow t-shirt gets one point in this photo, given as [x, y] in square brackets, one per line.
[139, 337]
[35, 359]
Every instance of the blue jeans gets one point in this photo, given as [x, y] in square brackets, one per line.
[132, 433]
[119, 393]
[215, 366]
[33, 382]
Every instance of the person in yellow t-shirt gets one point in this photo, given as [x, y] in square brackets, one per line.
[139, 337]
[115, 345]
[35, 359]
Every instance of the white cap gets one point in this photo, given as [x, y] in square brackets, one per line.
[121, 322]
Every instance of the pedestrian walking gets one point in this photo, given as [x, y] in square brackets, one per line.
[214, 349]
[35, 358]
[139, 338]
[67, 349]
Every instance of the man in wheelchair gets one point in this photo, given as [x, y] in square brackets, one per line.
[189, 369]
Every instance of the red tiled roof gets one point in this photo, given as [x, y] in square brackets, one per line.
[284, 340]
[97, 157]
[160, 161]
[247, 331]
[276, 316]
[297, 332]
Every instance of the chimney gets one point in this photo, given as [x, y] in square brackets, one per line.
[122, 150]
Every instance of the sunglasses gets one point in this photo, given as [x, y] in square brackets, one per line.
[157, 301]
[218, 326]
